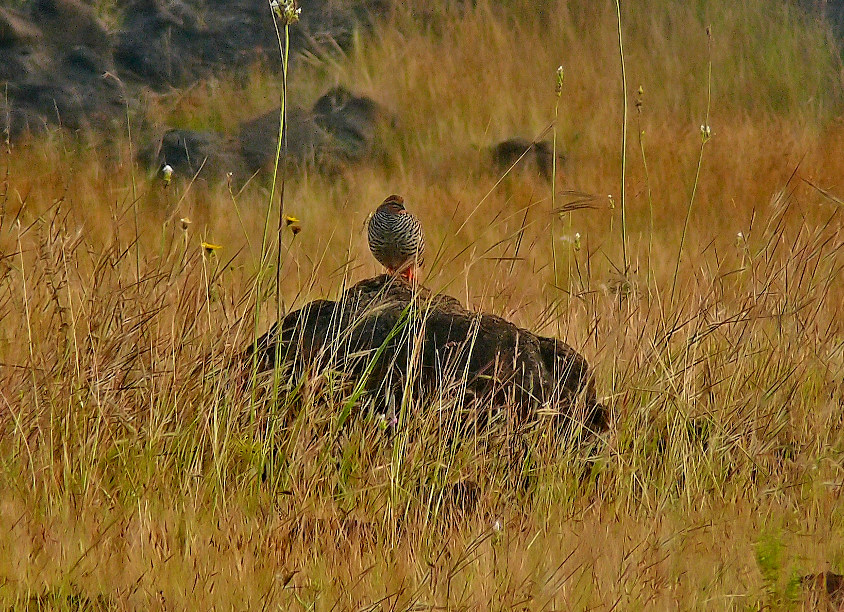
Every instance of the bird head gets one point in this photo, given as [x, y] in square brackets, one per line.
[394, 203]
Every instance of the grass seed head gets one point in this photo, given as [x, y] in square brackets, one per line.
[166, 174]
[286, 10]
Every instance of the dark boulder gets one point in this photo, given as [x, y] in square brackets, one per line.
[16, 30]
[369, 334]
[341, 128]
[70, 23]
[165, 44]
[61, 65]
[56, 67]
[190, 153]
[523, 154]
[58, 104]
[259, 139]
[22, 64]
[178, 42]
[18, 121]
[353, 122]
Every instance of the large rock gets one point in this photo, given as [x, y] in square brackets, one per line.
[70, 23]
[60, 64]
[353, 122]
[16, 30]
[194, 153]
[259, 139]
[56, 67]
[341, 128]
[523, 154]
[177, 42]
[380, 325]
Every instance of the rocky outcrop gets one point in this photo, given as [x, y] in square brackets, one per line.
[57, 67]
[384, 335]
[341, 128]
[177, 42]
[61, 65]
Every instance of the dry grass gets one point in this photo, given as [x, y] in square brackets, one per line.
[137, 473]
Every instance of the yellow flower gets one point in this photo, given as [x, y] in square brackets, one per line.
[210, 248]
[290, 219]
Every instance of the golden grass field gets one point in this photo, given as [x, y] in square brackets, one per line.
[137, 473]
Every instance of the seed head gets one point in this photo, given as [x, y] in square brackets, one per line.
[559, 87]
[286, 10]
[185, 222]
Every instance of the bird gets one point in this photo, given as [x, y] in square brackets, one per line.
[395, 238]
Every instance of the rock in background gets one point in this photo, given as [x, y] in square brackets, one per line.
[340, 129]
[61, 65]
[57, 64]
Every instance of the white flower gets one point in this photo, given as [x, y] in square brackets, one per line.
[286, 10]
[498, 526]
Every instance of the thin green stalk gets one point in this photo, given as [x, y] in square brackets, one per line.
[281, 155]
[288, 13]
[558, 90]
[281, 148]
[623, 142]
[641, 133]
[134, 199]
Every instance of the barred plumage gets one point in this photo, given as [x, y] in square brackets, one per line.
[395, 237]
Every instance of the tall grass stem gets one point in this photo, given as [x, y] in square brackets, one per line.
[623, 141]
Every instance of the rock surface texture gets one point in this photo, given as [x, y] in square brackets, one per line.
[382, 333]
[62, 65]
